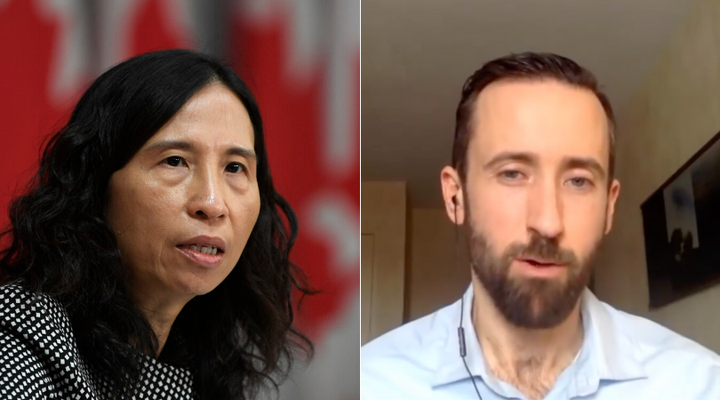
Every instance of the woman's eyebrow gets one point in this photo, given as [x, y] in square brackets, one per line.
[170, 144]
[183, 145]
[242, 152]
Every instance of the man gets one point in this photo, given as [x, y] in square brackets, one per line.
[532, 186]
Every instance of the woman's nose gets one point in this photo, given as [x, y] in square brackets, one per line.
[207, 201]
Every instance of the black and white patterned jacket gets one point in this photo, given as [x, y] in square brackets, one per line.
[39, 357]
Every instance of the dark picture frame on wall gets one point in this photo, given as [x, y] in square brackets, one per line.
[681, 223]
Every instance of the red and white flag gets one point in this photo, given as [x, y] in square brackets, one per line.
[302, 60]
[43, 68]
[51, 50]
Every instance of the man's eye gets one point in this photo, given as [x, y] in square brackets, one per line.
[235, 168]
[580, 182]
[174, 161]
[511, 175]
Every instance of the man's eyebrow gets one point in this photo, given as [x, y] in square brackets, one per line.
[588, 163]
[585, 163]
[182, 145]
[505, 156]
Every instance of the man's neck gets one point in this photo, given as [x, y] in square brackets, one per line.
[529, 359]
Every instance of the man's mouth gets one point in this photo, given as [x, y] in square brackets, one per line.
[540, 263]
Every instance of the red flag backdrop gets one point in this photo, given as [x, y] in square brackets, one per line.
[300, 58]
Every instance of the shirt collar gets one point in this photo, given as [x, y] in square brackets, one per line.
[613, 351]
[606, 350]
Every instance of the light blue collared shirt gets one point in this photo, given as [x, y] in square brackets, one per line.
[622, 357]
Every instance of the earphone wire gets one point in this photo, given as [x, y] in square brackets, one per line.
[461, 331]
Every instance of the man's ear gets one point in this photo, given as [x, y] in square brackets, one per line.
[613, 194]
[453, 196]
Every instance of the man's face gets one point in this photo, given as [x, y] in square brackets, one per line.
[536, 201]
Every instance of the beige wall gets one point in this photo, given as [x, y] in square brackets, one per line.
[383, 223]
[673, 116]
[434, 278]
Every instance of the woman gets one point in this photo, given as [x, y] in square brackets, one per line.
[149, 256]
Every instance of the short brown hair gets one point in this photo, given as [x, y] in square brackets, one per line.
[524, 66]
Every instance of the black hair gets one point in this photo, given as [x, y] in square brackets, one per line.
[237, 339]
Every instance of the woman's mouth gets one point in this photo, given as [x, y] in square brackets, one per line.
[203, 255]
[210, 250]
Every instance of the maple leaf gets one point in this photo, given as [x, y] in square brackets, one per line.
[328, 205]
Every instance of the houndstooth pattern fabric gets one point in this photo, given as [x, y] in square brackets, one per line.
[39, 358]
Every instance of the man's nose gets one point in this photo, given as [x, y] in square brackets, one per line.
[545, 210]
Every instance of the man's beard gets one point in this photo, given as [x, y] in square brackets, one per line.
[526, 302]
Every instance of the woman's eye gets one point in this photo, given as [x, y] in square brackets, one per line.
[235, 168]
[174, 161]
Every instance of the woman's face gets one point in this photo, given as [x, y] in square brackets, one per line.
[184, 206]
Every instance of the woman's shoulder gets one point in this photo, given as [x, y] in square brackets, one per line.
[38, 354]
[32, 315]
